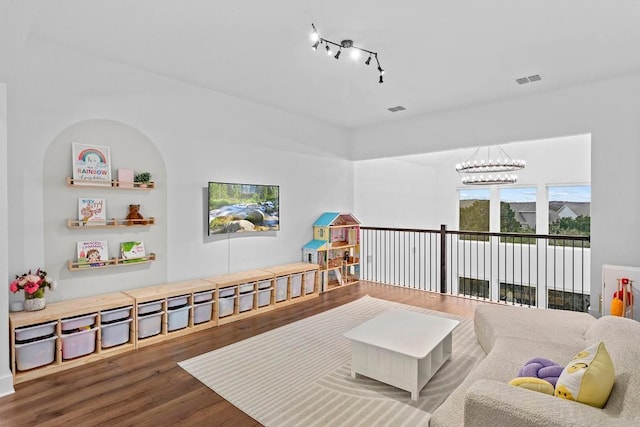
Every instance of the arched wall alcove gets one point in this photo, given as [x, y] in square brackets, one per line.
[129, 148]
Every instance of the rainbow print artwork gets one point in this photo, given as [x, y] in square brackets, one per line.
[91, 164]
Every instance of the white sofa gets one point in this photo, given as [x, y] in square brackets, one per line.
[511, 336]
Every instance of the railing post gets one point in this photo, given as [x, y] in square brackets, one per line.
[443, 258]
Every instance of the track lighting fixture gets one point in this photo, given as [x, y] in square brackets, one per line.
[344, 44]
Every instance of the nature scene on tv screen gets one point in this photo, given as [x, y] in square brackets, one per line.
[235, 208]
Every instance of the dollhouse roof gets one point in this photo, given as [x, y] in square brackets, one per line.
[335, 218]
[315, 244]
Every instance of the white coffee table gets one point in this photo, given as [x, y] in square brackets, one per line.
[401, 348]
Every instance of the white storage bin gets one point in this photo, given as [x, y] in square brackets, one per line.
[296, 285]
[79, 343]
[36, 353]
[115, 333]
[281, 288]
[246, 288]
[177, 301]
[178, 318]
[225, 305]
[115, 314]
[266, 284]
[227, 292]
[78, 322]
[149, 325]
[309, 282]
[203, 296]
[202, 312]
[246, 301]
[264, 297]
[30, 332]
[149, 307]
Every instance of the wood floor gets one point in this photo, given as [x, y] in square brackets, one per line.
[146, 387]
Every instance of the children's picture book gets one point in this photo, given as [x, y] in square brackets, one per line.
[92, 253]
[132, 251]
[125, 178]
[92, 211]
[91, 164]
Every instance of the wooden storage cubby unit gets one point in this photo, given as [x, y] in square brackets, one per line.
[162, 294]
[300, 279]
[244, 303]
[58, 311]
[254, 281]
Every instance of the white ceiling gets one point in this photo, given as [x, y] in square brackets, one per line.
[438, 54]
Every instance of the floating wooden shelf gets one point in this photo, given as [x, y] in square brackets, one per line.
[113, 262]
[111, 184]
[112, 223]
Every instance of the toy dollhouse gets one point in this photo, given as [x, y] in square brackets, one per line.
[335, 248]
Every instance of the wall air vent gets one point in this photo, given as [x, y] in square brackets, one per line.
[530, 79]
[396, 109]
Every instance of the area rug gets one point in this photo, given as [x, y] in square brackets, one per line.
[299, 374]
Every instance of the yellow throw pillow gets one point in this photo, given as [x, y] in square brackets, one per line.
[534, 384]
[588, 378]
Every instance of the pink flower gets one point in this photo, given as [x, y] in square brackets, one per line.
[31, 288]
[33, 279]
[13, 286]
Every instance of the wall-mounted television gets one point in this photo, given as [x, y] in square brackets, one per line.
[237, 208]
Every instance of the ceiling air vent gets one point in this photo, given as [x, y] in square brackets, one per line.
[396, 109]
[530, 79]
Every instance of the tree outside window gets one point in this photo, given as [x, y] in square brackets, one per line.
[474, 210]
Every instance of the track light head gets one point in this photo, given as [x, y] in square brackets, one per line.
[368, 60]
[315, 45]
[338, 54]
[381, 70]
[314, 34]
[380, 81]
[328, 50]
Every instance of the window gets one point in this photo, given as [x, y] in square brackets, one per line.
[518, 210]
[473, 287]
[570, 213]
[572, 301]
[520, 294]
[474, 210]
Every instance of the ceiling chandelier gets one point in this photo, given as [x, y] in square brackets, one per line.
[344, 44]
[489, 171]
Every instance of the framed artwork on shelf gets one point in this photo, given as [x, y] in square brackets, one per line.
[91, 164]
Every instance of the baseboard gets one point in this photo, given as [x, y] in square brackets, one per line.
[6, 385]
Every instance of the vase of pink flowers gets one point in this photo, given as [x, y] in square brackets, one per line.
[34, 286]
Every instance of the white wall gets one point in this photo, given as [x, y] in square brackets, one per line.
[201, 135]
[6, 379]
[421, 190]
[608, 110]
